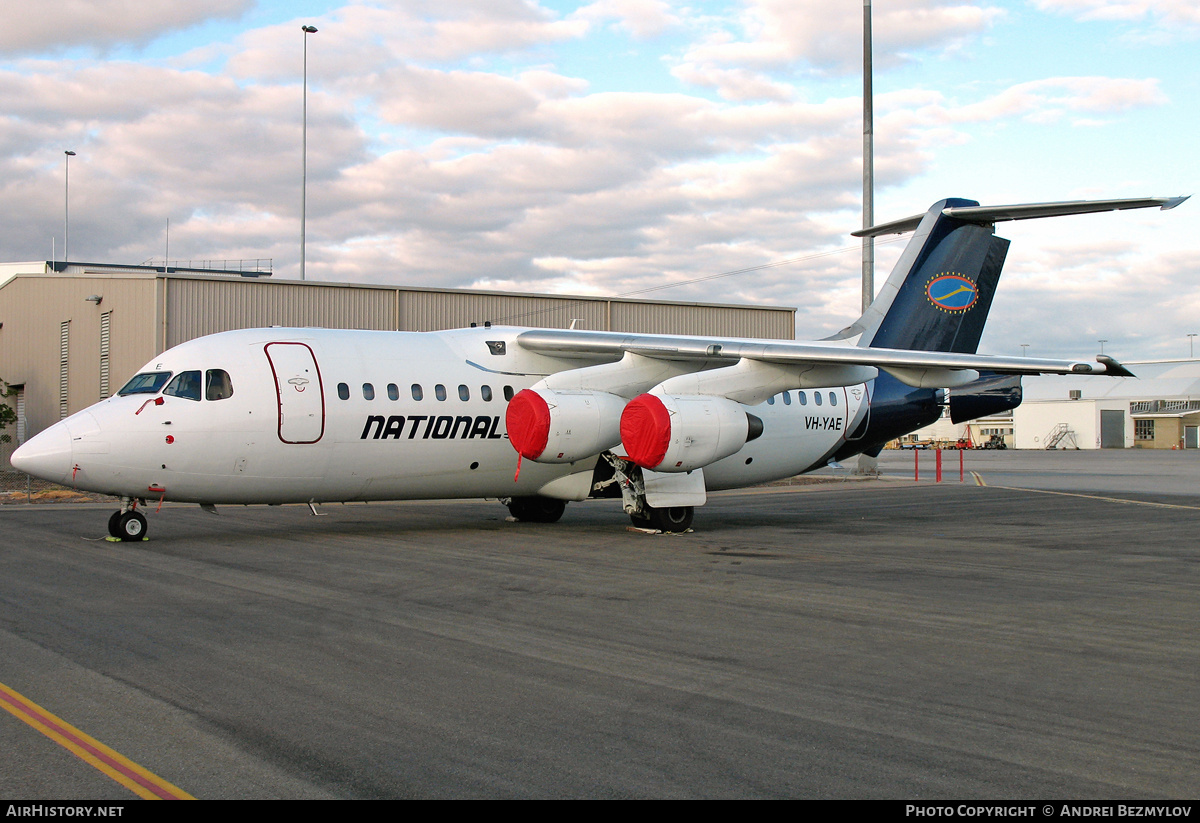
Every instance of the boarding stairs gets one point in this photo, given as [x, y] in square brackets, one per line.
[1060, 433]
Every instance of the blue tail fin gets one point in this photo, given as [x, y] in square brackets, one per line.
[938, 295]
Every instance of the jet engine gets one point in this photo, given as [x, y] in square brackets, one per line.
[679, 434]
[549, 426]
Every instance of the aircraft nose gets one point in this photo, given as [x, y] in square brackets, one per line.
[46, 455]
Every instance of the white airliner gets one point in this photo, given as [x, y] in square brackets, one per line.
[537, 418]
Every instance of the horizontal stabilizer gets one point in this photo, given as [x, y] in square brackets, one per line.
[987, 215]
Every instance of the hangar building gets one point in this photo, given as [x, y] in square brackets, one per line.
[1158, 409]
[71, 334]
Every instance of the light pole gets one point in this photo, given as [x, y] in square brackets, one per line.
[1102, 342]
[67, 155]
[868, 245]
[1191, 347]
[304, 149]
[1024, 349]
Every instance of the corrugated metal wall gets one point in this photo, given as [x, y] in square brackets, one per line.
[719, 321]
[199, 306]
[196, 306]
[431, 310]
[33, 309]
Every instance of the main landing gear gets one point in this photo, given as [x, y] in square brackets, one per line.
[671, 519]
[537, 509]
[627, 476]
[127, 523]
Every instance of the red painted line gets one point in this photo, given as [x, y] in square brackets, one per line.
[85, 743]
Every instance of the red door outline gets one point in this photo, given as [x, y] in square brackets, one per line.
[301, 413]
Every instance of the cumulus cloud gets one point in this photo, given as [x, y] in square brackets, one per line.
[788, 36]
[359, 39]
[1052, 98]
[456, 143]
[56, 25]
[641, 18]
[1168, 12]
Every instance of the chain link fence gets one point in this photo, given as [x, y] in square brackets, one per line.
[18, 487]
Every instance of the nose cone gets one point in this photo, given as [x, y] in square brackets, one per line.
[47, 455]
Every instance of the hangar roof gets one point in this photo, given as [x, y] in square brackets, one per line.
[1156, 380]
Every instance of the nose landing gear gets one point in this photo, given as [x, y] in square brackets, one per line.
[127, 523]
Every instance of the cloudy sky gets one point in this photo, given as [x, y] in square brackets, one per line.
[619, 145]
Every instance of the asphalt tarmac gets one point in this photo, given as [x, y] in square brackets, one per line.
[871, 639]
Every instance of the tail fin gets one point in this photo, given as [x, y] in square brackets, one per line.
[938, 295]
[939, 292]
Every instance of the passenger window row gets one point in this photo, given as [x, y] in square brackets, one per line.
[418, 392]
[802, 398]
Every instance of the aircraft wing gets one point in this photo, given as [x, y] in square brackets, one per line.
[929, 369]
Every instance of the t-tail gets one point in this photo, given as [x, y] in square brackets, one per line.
[939, 292]
[937, 298]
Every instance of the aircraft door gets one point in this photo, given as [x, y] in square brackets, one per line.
[301, 395]
[857, 410]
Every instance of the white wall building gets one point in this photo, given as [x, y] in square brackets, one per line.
[1160, 408]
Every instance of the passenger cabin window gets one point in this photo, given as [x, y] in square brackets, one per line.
[439, 391]
[817, 397]
[217, 385]
[368, 391]
[464, 394]
[832, 399]
[186, 385]
[803, 398]
[787, 399]
[343, 391]
[508, 393]
[393, 391]
[145, 383]
[486, 393]
[771, 400]
[417, 392]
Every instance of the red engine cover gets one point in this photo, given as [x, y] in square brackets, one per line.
[646, 430]
[528, 422]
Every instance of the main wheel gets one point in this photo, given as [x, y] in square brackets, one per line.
[670, 519]
[537, 509]
[131, 526]
[113, 529]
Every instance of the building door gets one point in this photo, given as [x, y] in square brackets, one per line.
[298, 387]
[1191, 437]
[1112, 429]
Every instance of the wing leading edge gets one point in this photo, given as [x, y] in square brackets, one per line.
[914, 368]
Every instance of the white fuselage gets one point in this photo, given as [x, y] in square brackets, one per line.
[334, 415]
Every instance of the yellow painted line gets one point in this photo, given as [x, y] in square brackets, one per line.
[1097, 497]
[978, 479]
[144, 784]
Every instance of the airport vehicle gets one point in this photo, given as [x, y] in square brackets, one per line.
[539, 417]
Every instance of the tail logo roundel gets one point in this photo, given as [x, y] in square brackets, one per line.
[951, 292]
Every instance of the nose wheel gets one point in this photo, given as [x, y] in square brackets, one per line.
[127, 526]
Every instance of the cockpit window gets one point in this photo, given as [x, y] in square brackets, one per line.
[148, 382]
[186, 385]
[218, 386]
